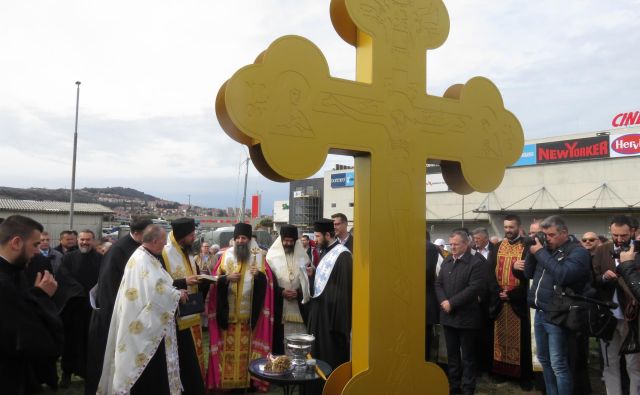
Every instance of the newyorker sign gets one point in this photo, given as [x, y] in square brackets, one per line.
[571, 150]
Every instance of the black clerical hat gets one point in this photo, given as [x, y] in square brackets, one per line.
[182, 227]
[289, 231]
[242, 229]
[323, 226]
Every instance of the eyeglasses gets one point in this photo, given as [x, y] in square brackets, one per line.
[588, 240]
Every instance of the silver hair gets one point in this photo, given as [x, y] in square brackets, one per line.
[480, 231]
[460, 233]
[152, 233]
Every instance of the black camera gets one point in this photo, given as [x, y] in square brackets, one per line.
[529, 241]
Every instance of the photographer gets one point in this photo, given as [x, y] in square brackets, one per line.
[614, 288]
[558, 260]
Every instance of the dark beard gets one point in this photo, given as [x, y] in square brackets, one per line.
[511, 236]
[323, 244]
[241, 251]
[22, 260]
[288, 249]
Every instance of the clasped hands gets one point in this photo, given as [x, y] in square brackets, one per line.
[290, 294]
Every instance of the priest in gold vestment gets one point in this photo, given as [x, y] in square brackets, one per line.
[512, 332]
[183, 269]
[240, 312]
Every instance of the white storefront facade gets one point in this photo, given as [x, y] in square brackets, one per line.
[585, 177]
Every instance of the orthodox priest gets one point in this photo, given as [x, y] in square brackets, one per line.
[330, 306]
[288, 261]
[78, 273]
[512, 331]
[30, 330]
[240, 313]
[184, 271]
[141, 356]
[111, 271]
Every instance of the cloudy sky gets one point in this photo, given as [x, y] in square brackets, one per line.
[150, 71]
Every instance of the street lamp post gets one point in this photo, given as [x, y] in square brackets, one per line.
[73, 168]
[244, 195]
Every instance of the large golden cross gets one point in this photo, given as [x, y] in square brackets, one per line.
[291, 113]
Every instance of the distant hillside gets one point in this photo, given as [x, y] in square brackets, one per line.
[121, 191]
[110, 197]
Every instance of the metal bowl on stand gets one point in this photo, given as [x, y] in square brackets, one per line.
[297, 346]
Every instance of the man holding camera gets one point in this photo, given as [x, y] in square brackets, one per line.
[557, 261]
[612, 288]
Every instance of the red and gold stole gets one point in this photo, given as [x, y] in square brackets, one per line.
[506, 337]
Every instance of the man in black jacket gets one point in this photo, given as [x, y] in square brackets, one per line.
[458, 286]
[111, 271]
[68, 242]
[30, 328]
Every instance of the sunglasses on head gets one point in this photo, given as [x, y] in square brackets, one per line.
[590, 240]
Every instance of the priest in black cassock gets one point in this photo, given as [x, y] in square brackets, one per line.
[30, 329]
[77, 275]
[111, 271]
[45, 369]
[329, 317]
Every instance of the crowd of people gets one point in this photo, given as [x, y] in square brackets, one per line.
[499, 306]
[133, 317]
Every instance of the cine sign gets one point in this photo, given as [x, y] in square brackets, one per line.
[626, 119]
[342, 180]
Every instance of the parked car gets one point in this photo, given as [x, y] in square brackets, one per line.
[221, 237]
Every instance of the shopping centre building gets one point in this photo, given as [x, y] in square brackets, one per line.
[585, 177]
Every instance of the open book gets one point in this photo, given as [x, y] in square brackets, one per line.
[207, 277]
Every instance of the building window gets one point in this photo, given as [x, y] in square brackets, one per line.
[333, 205]
[351, 204]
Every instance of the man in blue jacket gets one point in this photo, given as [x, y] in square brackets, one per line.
[560, 262]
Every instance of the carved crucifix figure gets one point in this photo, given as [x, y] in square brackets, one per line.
[291, 113]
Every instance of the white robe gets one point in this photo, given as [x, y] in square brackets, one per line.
[277, 260]
[143, 316]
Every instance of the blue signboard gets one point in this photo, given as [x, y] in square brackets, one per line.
[528, 156]
[342, 180]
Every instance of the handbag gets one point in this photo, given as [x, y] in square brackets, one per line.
[582, 314]
[602, 323]
[193, 305]
[566, 311]
[630, 345]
